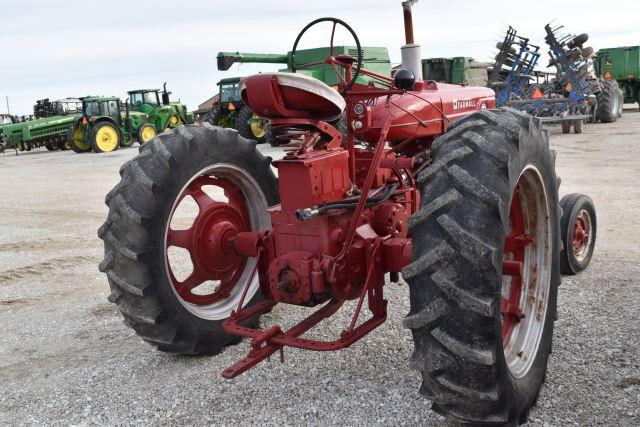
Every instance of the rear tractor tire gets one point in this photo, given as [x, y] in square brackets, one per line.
[578, 231]
[105, 137]
[252, 126]
[146, 221]
[485, 271]
[608, 102]
[566, 126]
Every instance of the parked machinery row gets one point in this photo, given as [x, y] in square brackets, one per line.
[96, 123]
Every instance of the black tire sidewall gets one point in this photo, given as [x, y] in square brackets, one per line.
[571, 205]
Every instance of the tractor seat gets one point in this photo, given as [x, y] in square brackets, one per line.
[291, 95]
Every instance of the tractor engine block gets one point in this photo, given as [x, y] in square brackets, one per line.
[301, 269]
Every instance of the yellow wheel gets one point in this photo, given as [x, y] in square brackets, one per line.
[257, 126]
[252, 126]
[146, 133]
[174, 120]
[105, 137]
[76, 139]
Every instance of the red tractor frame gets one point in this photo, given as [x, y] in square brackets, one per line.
[424, 179]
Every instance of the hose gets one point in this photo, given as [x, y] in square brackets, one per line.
[308, 213]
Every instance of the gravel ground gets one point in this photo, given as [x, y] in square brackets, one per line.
[66, 358]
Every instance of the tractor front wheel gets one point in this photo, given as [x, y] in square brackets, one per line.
[578, 231]
[105, 137]
[146, 133]
[484, 277]
[167, 256]
[252, 126]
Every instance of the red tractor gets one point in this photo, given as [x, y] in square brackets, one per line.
[430, 181]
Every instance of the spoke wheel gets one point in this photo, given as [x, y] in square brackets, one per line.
[171, 268]
[526, 272]
[232, 203]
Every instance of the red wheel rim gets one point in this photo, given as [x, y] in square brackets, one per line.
[526, 272]
[581, 237]
[512, 266]
[209, 241]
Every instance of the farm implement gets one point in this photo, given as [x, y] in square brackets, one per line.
[48, 131]
[430, 182]
[574, 96]
[566, 100]
[231, 110]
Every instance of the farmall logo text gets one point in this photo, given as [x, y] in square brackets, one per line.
[463, 104]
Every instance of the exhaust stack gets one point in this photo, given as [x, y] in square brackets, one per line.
[411, 56]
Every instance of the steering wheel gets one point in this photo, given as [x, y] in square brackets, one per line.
[330, 59]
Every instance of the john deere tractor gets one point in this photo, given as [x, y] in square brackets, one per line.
[231, 110]
[103, 126]
[162, 114]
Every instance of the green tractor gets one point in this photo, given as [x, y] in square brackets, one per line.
[231, 111]
[621, 64]
[162, 114]
[103, 126]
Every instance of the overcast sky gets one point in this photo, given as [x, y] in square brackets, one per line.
[60, 48]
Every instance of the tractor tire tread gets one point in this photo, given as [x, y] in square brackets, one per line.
[127, 233]
[453, 298]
